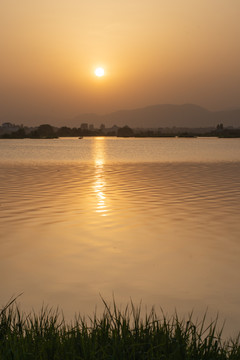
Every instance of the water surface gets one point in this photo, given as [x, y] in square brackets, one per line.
[156, 220]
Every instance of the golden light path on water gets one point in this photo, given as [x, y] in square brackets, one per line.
[100, 183]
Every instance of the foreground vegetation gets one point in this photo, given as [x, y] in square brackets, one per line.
[116, 335]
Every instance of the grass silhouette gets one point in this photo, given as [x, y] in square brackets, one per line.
[116, 334]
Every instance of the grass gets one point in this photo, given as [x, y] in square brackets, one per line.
[116, 334]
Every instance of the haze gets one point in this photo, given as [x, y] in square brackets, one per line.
[153, 52]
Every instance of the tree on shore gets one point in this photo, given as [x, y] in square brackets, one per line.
[43, 131]
[125, 131]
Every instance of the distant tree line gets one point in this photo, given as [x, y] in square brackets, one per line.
[46, 131]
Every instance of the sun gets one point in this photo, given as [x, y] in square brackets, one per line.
[99, 72]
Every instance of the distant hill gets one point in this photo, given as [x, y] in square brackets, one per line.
[155, 116]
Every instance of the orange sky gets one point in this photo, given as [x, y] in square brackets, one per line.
[153, 52]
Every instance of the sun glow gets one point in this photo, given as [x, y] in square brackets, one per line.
[99, 72]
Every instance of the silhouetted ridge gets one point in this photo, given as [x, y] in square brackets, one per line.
[165, 115]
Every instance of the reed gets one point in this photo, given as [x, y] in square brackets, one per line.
[116, 334]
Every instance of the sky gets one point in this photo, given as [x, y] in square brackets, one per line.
[152, 51]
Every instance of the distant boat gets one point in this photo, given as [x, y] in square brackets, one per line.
[80, 137]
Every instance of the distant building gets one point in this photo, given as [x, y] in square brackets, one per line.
[91, 127]
[113, 130]
[8, 125]
[84, 126]
[8, 128]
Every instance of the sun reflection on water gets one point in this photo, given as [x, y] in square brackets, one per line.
[99, 184]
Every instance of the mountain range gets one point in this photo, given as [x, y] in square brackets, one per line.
[165, 115]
